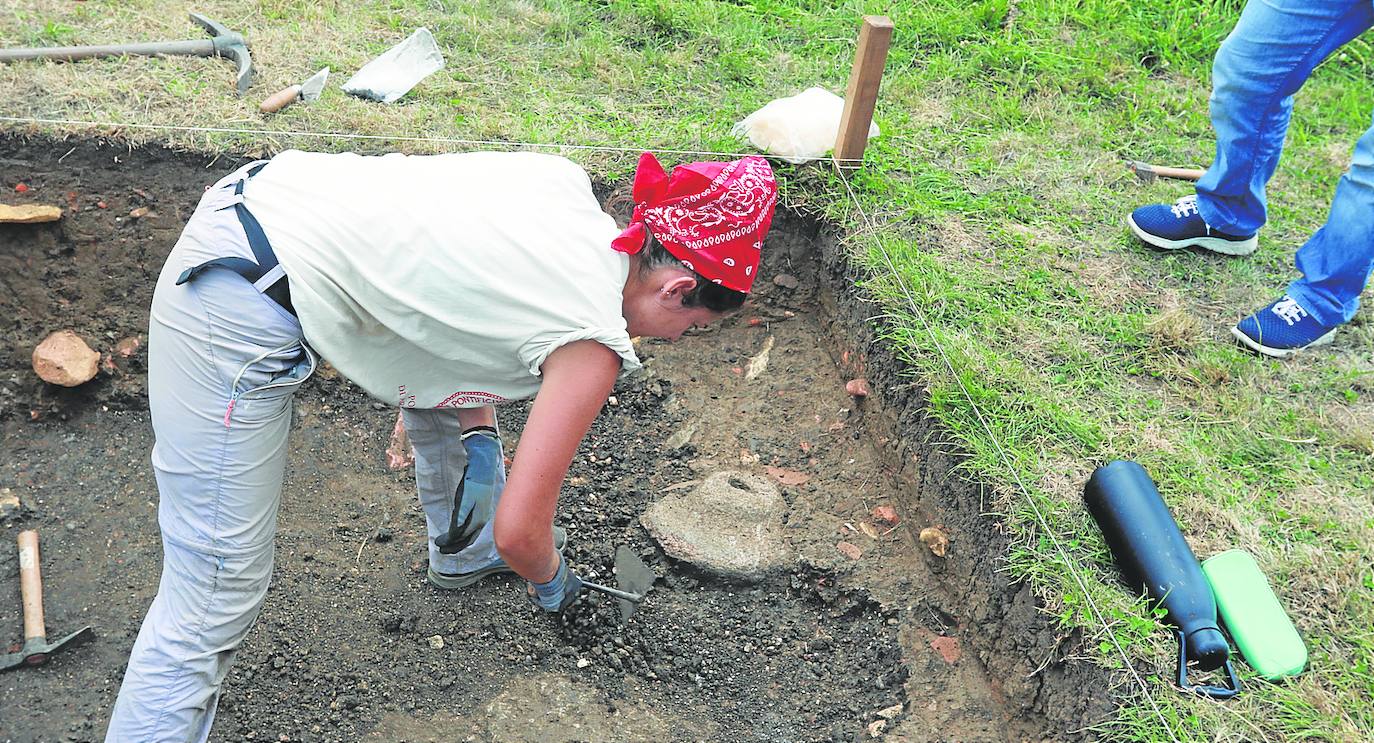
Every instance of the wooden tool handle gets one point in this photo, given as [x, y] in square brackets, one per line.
[1183, 174]
[280, 99]
[31, 585]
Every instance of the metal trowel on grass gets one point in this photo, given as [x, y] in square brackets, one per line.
[634, 575]
[305, 92]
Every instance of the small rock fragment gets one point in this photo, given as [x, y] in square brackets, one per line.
[849, 550]
[399, 454]
[21, 187]
[9, 502]
[786, 281]
[876, 728]
[936, 540]
[583, 662]
[786, 476]
[64, 359]
[857, 387]
[29, 213]
[138, 212]
[868, 530]
[887, 713]
[759, 362]
[948, 648]
[680, 438]
[887, 515]
[128, 346]
[436, 642]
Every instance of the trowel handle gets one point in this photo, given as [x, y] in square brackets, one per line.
[31, 585]
[280, 99]
[616, 592]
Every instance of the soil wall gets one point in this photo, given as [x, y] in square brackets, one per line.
[1037, 665]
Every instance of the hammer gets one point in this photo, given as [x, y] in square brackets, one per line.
[1148, 173]
[222, 43]
[36, 647]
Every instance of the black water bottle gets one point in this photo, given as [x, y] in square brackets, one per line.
[1151, 552]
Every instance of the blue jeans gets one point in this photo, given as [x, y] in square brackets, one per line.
[1259, 67]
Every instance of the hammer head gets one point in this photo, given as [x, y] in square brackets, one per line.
[37, 649]
[230, 45]
[1144, 171]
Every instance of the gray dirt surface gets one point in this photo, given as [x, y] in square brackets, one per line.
[345, 650]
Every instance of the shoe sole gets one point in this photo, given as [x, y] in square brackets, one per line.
[1214, 244]
[451, 582]
[1279, 353]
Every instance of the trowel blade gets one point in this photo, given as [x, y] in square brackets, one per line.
[633, 576]
[311, 89]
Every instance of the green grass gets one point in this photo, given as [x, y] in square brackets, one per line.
[999, 193]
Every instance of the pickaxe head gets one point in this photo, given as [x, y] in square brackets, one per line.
[230, 45]
[1144, 171]
[1149, 173]
[36, 650]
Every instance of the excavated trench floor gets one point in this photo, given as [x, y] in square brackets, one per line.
[353, 644]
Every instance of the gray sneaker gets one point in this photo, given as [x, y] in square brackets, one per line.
[455, 581]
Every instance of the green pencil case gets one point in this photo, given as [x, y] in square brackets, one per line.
[1253, 615]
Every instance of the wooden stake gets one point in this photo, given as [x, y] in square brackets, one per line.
[875, 35]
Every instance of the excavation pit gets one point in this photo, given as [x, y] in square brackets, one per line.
[856, 630]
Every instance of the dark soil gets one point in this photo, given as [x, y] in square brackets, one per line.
[353, 644]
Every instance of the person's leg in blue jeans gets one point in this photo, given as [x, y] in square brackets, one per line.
[1266, 59]
[1336, 262]
[1268, 56]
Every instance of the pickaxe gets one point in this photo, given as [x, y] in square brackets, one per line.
[36, 648]
[222, 43]
[1148, 173]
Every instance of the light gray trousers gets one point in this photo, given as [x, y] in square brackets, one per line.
[224, 362]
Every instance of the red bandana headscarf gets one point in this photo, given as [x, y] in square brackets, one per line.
[712, 216]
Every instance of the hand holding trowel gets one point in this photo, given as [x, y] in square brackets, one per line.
[306, 92]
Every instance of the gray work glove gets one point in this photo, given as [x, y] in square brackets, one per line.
[474, 502]
[559, 592]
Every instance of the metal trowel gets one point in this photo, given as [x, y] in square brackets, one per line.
[305, 92]
[634, 575]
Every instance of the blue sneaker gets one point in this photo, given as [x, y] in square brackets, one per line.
[1282, 329]
[1176, 226]
[454, 581]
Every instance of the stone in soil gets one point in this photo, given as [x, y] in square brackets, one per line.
[935, 538]
[729, 526]
[29, 213]
[64, 359]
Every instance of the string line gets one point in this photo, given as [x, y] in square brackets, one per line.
[393, 138]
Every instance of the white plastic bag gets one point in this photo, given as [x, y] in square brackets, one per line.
[798, 129]
[398, 69]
